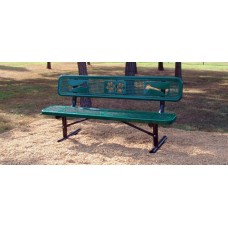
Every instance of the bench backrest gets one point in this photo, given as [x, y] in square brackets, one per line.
[121, 87]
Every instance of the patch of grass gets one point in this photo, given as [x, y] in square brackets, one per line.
[185, 127]
[18, 90]
[5, 123]
[5, 95]
[5, 127]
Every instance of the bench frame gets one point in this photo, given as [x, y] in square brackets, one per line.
[154, 134]
[157, 144]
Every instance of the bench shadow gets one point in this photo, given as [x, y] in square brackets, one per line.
[103, 139]
[169, 154]
[109, 150]
[137, 156]
[102, 132]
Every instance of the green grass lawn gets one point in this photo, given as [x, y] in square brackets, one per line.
[26, 88]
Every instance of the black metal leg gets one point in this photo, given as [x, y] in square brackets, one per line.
[71, 134]
[157, 144]
[64, 126]
[160, 143]
[155, 136]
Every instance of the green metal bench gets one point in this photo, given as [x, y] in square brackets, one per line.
[118, 87]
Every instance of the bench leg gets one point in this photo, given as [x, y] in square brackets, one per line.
[157, 144]
[155, 132]
[64, 126]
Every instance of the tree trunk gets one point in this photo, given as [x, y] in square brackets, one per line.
[136, 69]
[130, 68]
[82, 70]
[178, 71]
[49, 65]
[160, 66]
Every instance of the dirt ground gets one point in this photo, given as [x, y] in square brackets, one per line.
[104, 142]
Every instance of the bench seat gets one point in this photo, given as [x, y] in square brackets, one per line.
[108, 114]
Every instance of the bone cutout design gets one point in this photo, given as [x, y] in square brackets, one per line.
[78, 86]
[156, 88]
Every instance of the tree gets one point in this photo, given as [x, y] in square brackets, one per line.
[82, 70]
[130, 69]
[178, 71]
[88, 63]
[160, 66]
[49, 65]
[136, 69]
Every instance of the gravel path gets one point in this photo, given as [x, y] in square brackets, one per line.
[103, 142]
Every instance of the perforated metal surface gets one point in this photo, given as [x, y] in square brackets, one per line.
[119, 115]
[121, 87]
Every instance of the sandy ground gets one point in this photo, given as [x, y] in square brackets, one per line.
[104, 142]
